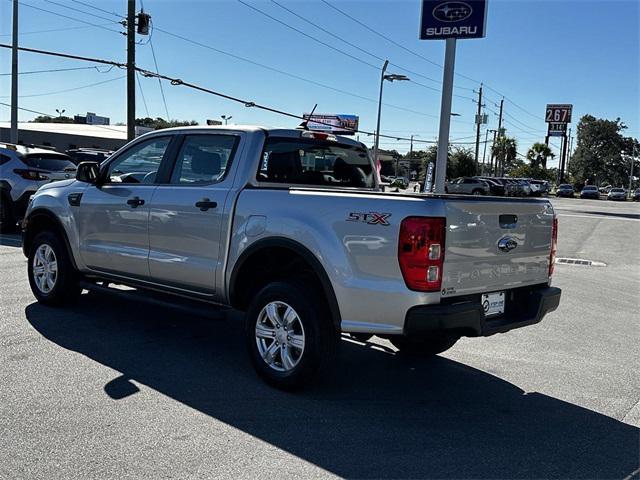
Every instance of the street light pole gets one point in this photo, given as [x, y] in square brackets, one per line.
[377, 142]
[226, 118]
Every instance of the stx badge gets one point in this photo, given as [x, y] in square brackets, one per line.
[371, 218]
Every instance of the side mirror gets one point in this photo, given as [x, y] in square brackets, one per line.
[88, 172]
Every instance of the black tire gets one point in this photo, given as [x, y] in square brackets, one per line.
[66, 288]
[320, 337]
[7, 221]
[477, 191]
[424, 347]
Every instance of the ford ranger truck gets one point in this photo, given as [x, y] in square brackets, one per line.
[290, 226]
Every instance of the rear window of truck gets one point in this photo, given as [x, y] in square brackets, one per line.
[300, 161]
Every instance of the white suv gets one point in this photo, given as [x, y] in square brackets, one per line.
[22, 171]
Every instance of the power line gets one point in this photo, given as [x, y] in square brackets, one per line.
[97, 8]
[68, 17]
[155, 62]
[353, 57]
[81, 87]
[52, 71]
[80, 11]
[291, 75]
[144, 101]
[52, 30]
[180, 82]
[338, 37]
[392, 41]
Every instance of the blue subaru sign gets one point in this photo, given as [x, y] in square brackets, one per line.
[453, 19]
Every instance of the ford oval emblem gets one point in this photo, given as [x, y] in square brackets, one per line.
[506, 244]
[452, 11]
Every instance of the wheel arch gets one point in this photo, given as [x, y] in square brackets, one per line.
[292, 256]
[39, 220]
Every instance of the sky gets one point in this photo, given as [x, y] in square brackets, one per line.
[535, 52]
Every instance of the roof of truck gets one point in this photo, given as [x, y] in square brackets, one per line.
[272, 131]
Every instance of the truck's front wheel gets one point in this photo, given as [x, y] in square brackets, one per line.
[289, 334]
[424, 347]
[52, 278]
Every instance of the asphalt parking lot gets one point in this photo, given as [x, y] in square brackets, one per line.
[113, 388]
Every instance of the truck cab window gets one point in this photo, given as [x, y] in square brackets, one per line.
[311, 162]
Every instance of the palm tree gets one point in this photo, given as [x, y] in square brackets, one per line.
[538, 155]
[505, 151]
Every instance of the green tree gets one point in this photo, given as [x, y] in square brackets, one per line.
[528, 171]
[160, 123]
[461, 163]
[48, 119]
[505, 152]
[538, 155]
[597, 157]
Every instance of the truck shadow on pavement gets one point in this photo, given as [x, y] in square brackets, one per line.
[379, 416]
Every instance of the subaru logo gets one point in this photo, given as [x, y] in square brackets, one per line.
[506, 244]
[452, 11]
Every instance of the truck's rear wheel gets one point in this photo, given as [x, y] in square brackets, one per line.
[52, 278]
[424, 347]
[289, 334]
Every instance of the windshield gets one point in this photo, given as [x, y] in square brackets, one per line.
[565, 186]
[312, 162]
[589, 187]
[617, 190]
[48, 161]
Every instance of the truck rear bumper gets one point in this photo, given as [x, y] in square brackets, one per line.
[524, 307]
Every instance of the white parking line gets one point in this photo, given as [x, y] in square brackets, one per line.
[602, 217]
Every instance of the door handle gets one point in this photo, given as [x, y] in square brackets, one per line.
[205, 204]
[135, 202]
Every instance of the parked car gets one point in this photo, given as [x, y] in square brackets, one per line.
[605, 190]
[590, 191]
[565, 190]
[22, 171]
[539, 187]
[496, 187]
[636, 195]
[617, 194]
[516, 188]
[467, 186]
[290, 227]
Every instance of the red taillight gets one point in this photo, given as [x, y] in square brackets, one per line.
[30, 174]
[554, 245]
[421, 252]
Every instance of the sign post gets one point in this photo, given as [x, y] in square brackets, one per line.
[557, 117]
[449, 20]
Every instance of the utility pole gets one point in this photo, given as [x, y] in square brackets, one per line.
[478, 123]
[131, 70]
[563, 156]
[14, 77]
[570, 149]
[493, 167]
[500, 134]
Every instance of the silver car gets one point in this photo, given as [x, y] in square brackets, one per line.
[467, 186]
[617, 194]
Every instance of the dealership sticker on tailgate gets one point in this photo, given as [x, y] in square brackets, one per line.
[493, 303]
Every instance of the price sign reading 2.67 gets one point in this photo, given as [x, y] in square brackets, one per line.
[558, 113]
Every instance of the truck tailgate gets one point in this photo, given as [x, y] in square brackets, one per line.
[495, 244]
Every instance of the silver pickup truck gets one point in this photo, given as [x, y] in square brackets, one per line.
[291, 227]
